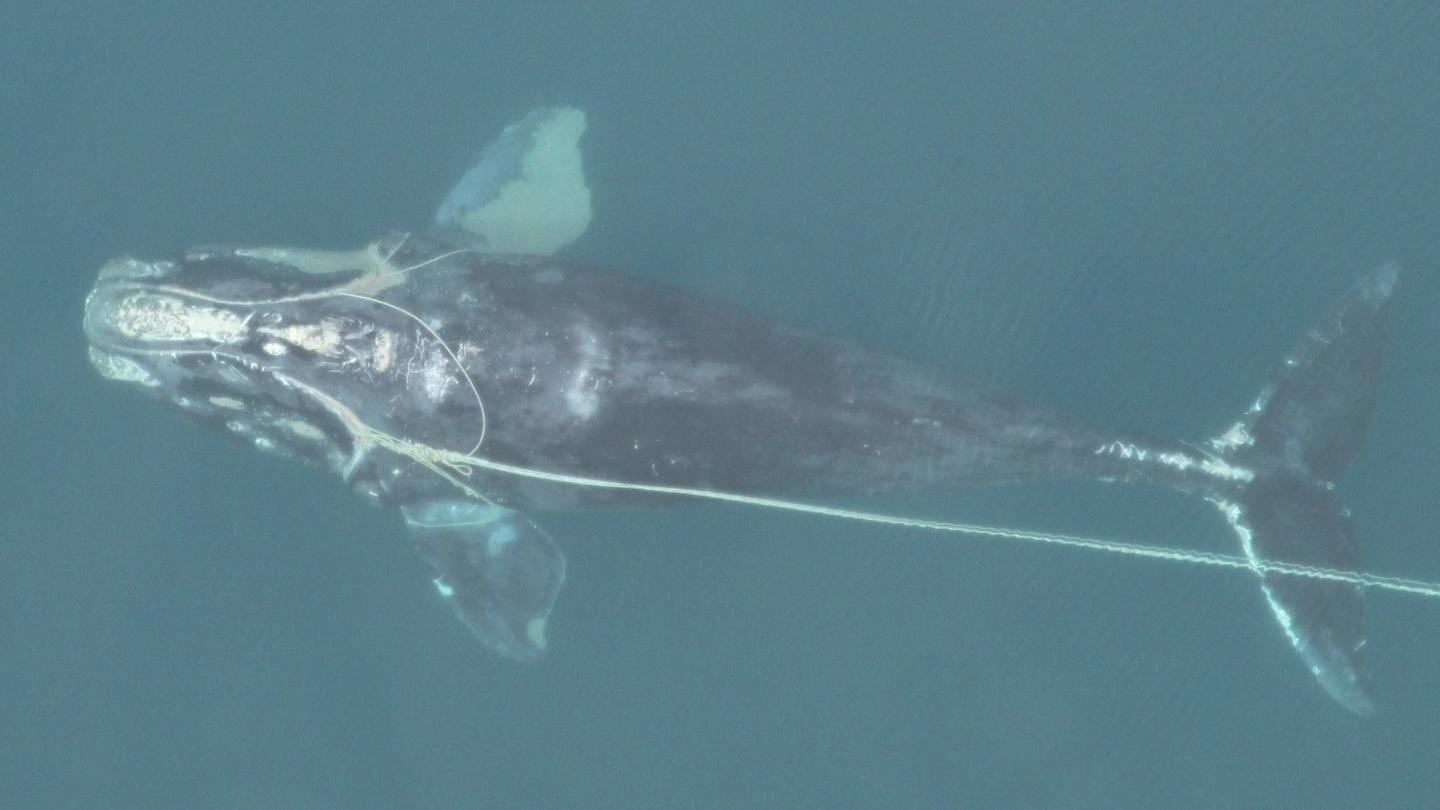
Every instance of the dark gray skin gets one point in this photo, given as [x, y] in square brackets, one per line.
[603, 375]
[606, 375]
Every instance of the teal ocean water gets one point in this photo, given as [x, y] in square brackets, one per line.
[1130, 212]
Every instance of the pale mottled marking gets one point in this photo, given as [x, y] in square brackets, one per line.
[435, 375]
[382, 355]
[304, 430]
[320, 338]
[121, 369]
[580, 396]
[147, 316]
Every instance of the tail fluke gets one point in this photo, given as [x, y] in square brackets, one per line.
[1302, 432]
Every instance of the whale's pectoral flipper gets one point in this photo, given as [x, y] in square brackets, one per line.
[526, 194]
[1302, 432]
[499, 571]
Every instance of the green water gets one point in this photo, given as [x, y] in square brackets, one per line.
[1130, 212]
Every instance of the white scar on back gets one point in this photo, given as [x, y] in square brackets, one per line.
[580, 396]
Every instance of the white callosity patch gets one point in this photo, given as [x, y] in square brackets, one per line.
[302, 429]
[122, 369]
[275, 433]
[437, 374]
[148, 316]
[372, 353]
[322, 338]
[382, 352]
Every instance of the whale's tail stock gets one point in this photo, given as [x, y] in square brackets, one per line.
[1303, 430]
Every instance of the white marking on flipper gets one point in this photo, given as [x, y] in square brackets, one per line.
[497, 540]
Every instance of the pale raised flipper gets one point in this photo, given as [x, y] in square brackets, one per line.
[526, 194]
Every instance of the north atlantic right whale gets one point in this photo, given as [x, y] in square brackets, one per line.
[468, 378]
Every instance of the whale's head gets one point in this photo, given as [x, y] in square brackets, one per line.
[293, 351]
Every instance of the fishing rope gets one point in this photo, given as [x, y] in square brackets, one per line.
[456, 466]
[464, 465]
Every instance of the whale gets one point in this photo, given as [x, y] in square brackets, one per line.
[469, 375]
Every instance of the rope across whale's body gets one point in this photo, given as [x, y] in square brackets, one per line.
[456, 467]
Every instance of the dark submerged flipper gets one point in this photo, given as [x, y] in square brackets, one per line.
[499, 571]
[1303, 431]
